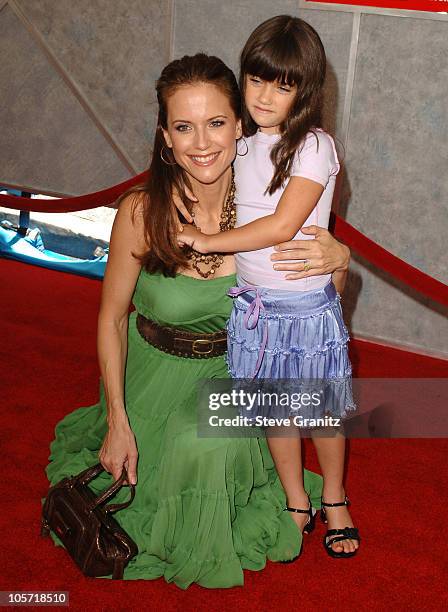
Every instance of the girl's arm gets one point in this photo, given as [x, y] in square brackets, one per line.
[298, 200]
[339, 277]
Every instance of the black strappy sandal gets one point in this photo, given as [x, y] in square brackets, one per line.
[309, 525]
[348, 533]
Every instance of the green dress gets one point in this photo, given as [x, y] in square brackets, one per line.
[204, 508]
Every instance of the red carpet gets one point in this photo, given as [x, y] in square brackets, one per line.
[398, 487]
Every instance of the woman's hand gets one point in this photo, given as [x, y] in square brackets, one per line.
[323, 255]
[118, 449]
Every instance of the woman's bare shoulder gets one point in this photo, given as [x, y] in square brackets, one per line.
[129, 220]
[126, 245]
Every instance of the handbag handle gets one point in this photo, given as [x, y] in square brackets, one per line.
[91, 473]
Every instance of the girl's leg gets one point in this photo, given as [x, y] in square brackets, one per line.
[286, 453]
[331, 454]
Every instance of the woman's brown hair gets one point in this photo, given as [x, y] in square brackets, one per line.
[289, 50]
[159, 212]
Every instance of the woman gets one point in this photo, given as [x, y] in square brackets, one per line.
[205, 508]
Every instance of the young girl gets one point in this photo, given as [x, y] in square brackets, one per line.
[288, 329]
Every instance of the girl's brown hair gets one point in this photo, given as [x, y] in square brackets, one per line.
[289, 50]
[159, 212]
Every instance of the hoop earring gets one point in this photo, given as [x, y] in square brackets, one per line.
[247, 147]
[164, 160]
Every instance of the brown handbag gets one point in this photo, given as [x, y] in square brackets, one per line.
[86, 527]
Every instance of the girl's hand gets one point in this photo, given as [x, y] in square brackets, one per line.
[118, 449]
[192, 237]
[323, 255]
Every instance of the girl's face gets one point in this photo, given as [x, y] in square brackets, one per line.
[202, 131]
[268, 102]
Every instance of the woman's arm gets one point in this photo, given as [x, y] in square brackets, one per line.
[119, 282]
[324, 255]
[298, 200]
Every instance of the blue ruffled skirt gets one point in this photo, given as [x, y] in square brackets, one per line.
[295, 335]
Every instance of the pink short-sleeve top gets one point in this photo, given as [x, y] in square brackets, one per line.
[316, 160]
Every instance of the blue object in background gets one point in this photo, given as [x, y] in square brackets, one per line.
[30, 248]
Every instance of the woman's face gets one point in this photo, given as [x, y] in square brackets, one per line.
[202, 131]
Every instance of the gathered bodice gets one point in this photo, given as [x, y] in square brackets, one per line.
[183, 301]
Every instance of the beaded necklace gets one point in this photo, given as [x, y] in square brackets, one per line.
[228, 218]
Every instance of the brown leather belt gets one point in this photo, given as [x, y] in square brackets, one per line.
[181, 342]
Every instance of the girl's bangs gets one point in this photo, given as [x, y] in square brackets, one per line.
[268, 66]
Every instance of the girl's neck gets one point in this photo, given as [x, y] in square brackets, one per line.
[270, 130]
[211, 196]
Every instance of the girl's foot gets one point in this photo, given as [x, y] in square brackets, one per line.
[338, 518]
[302, 516]
[301, 519]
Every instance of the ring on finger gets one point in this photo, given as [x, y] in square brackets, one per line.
[306, 265]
